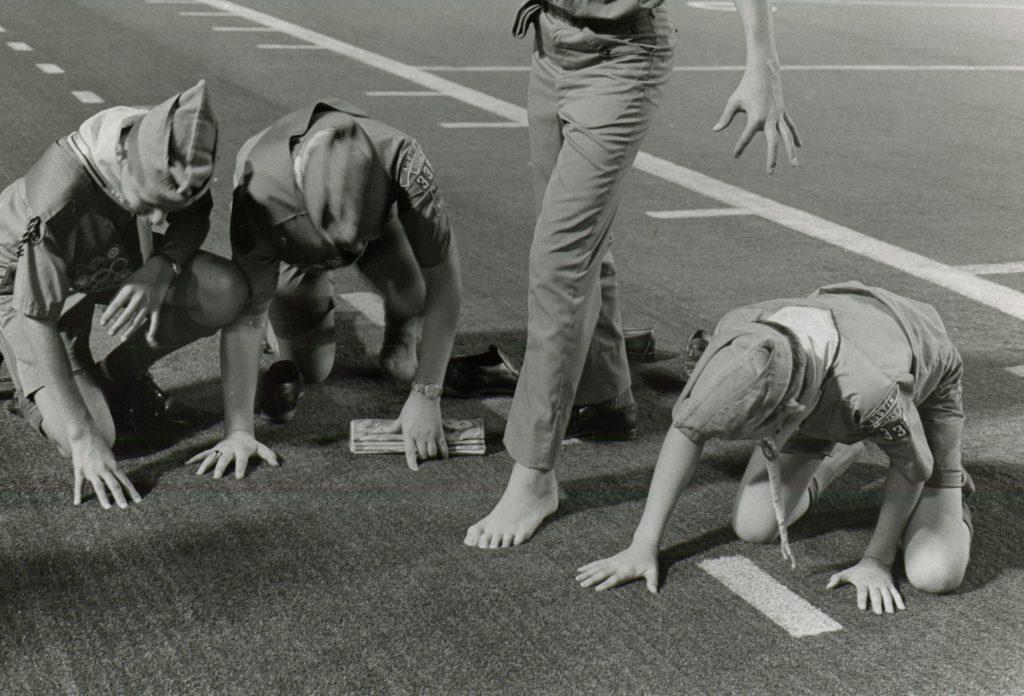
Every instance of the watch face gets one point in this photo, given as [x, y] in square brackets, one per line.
[431, 391]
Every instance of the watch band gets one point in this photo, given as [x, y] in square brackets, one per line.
[431, 391]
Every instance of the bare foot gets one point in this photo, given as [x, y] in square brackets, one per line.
[398, 354]
[530, 496]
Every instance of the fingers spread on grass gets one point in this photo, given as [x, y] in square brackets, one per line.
[101, 494]
[268, 455]
[728, 113]
[79, 478]
[745, 138]
[410, 454]
[792, 129]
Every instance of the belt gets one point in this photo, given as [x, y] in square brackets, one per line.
[528, 13]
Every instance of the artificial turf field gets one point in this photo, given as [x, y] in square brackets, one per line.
[344, 574]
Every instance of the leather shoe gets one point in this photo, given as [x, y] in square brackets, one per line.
[493, 373]
[280, 390]
[695, 348]
[138, 405]
[640, 345]
[599, 422]
[6, 383]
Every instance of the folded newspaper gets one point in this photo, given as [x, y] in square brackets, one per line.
[373, 436]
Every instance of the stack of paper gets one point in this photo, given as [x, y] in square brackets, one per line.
[376, 436]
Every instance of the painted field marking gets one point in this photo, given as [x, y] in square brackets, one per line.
[2, 30]
[289, 47]
[481, 124]
[832, 67]
[206, 14]
[50, 68]
[368, 304]
[18, 46]
[994, 295]
[1018, 370]
[770, 597]
[256, 29]
[87, 97]
[406, 93]
[171, 2]
[723, 6]
[695, 213]
[993, 268]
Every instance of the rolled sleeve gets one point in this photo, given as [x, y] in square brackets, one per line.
[421, 208]
[41, 281]
[900, 434]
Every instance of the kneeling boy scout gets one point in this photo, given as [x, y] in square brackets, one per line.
[75, 231]
[326, 187]
[814, 378]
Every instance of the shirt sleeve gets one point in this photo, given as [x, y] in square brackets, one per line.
[421, 209]
[187, 230]
[894, 424]
[41, 281]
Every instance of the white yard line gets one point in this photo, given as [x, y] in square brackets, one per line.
[728, 6]
[2, 30]
[695, 213]
[289, 47]
[993, 268]
[983, 291]
[206, 14]
[401, 93]
[481, 124]
[18, 46]
[50, 68]
[245, 29]
[1017, 370]
[87, 97]
[770, 597]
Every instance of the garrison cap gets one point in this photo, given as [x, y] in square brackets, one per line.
[174, 146]
[748, 372]
[344, 187]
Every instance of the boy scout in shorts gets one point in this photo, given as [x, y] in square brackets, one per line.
[74, 232]
[813, 379]
[327, 187]
[598, 70]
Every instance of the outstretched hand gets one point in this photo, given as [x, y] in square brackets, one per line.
[630, 564]
[422, 430]
[238, 447]
[759, 96]
[872, 579]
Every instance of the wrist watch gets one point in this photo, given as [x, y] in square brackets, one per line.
[175, 266]
[431, 391]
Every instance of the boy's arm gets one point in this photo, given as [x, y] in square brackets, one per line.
[91, 457]
[872, 576]
[676, 463]
[759, 93]
[421, 416]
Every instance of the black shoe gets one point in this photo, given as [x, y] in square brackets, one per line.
[6, 383]
[280, 391]
[603, 423]
[640, 345]
[493, 373]
[139, 405]
[695, 348]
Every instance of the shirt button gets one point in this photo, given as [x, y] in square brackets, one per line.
[635, 29]
[605, 52]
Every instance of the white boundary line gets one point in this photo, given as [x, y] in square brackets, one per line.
[993, 268]
[400, 93]
[481, 124]
[770, 597]
[723, 6]
[1018, 370]
[998, 297]
[695, 213]
[50, 68]
[18, 46]
[87, 97]
[245, 29]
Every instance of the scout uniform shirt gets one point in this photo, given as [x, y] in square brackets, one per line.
[269, 220]
[64, 230]
[895, 369]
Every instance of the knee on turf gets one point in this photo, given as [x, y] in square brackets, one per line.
[935, 574]
[754, 525]
[222, 291]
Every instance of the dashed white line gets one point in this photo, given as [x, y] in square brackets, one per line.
[1018, 370]
[287, 47]
[482, 124]
[770, 597]
[2, 30]
[406, 93]
[18, 46]
[87, 97]
[247, 29]
[983, 291]
[993, 268]
[695, 213]
[50, 68]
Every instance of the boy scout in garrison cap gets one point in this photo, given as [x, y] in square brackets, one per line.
[74, 232]
[325, 187]
[813, 379]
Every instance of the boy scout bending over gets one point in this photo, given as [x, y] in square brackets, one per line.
[326, 187]
[813, 379]
[598, 71]
[75, 232]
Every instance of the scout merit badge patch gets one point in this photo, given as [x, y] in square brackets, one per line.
[887, 420]
[33, 235]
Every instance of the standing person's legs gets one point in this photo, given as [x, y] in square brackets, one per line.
[603, 92]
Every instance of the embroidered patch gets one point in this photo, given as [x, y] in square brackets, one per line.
[887, 420]
[33, 235]
[103, 272]
[416, 175]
